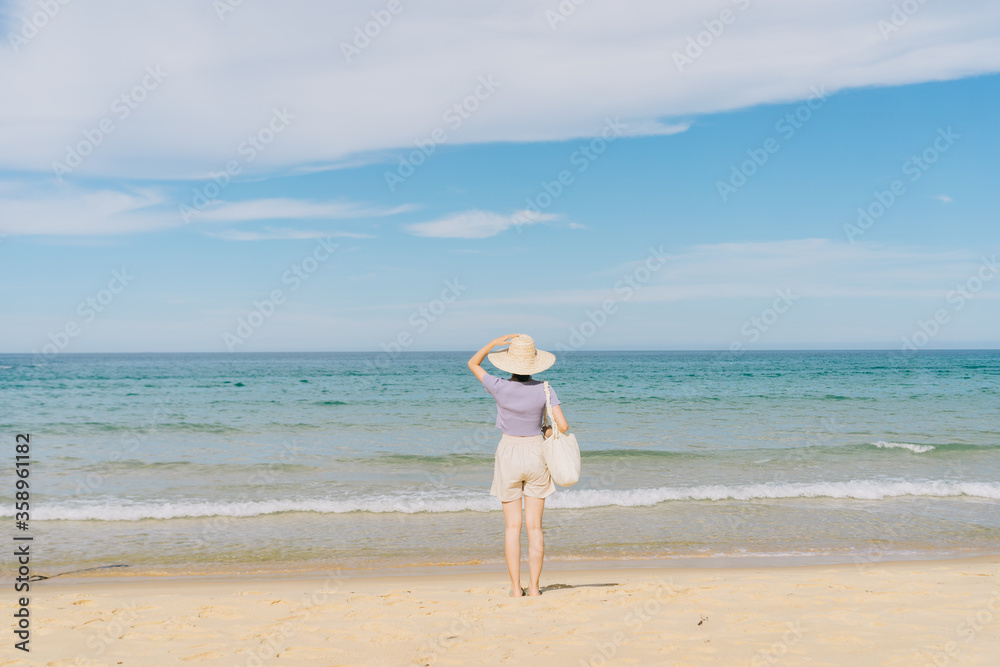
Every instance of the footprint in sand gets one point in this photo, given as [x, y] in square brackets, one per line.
[308, 653]
[209, 655]
[269, 603]
[218, 612]
[477, 590]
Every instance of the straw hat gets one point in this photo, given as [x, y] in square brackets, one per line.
[521, 357]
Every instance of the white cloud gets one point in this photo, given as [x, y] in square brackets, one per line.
[475, 224]
[35, 209]
[649, 128]
[222, 80]
[270, 234]
[944, 199]
[69, 210]
[283, 208]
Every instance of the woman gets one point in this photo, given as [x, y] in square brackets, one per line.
[518, 468]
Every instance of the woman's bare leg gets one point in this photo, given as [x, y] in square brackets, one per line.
[533, 508]
[512, 543]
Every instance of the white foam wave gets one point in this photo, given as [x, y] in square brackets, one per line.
[861, 490]
[919, 449]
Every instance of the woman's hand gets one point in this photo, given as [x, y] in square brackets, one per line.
[503, 340]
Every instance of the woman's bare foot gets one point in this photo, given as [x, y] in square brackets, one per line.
[536, 592]
[521, 593]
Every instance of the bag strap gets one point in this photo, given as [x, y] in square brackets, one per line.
[548, 406]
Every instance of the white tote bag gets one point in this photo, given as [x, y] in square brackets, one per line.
[560, 450]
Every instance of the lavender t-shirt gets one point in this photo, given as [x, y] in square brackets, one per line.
[520, 405]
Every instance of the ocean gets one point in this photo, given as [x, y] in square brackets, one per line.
[294, 462]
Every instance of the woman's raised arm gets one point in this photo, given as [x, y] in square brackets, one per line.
[475, 363]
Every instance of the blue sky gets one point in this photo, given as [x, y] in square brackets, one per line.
[639, 249]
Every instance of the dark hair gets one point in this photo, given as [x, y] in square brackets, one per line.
[519, 378]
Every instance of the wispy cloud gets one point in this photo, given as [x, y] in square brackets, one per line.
[476, 224]
[295, 209]
[68, 210]
[944, 199]
[818, 268]
[270, 234]
[28, 208]
[650, 127]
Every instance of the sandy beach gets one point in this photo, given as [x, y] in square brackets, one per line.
[871, 613]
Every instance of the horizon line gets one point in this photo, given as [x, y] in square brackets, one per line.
[404, 352]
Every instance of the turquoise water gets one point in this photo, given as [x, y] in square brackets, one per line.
[201, 462]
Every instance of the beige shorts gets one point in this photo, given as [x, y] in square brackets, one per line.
[519, 469]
